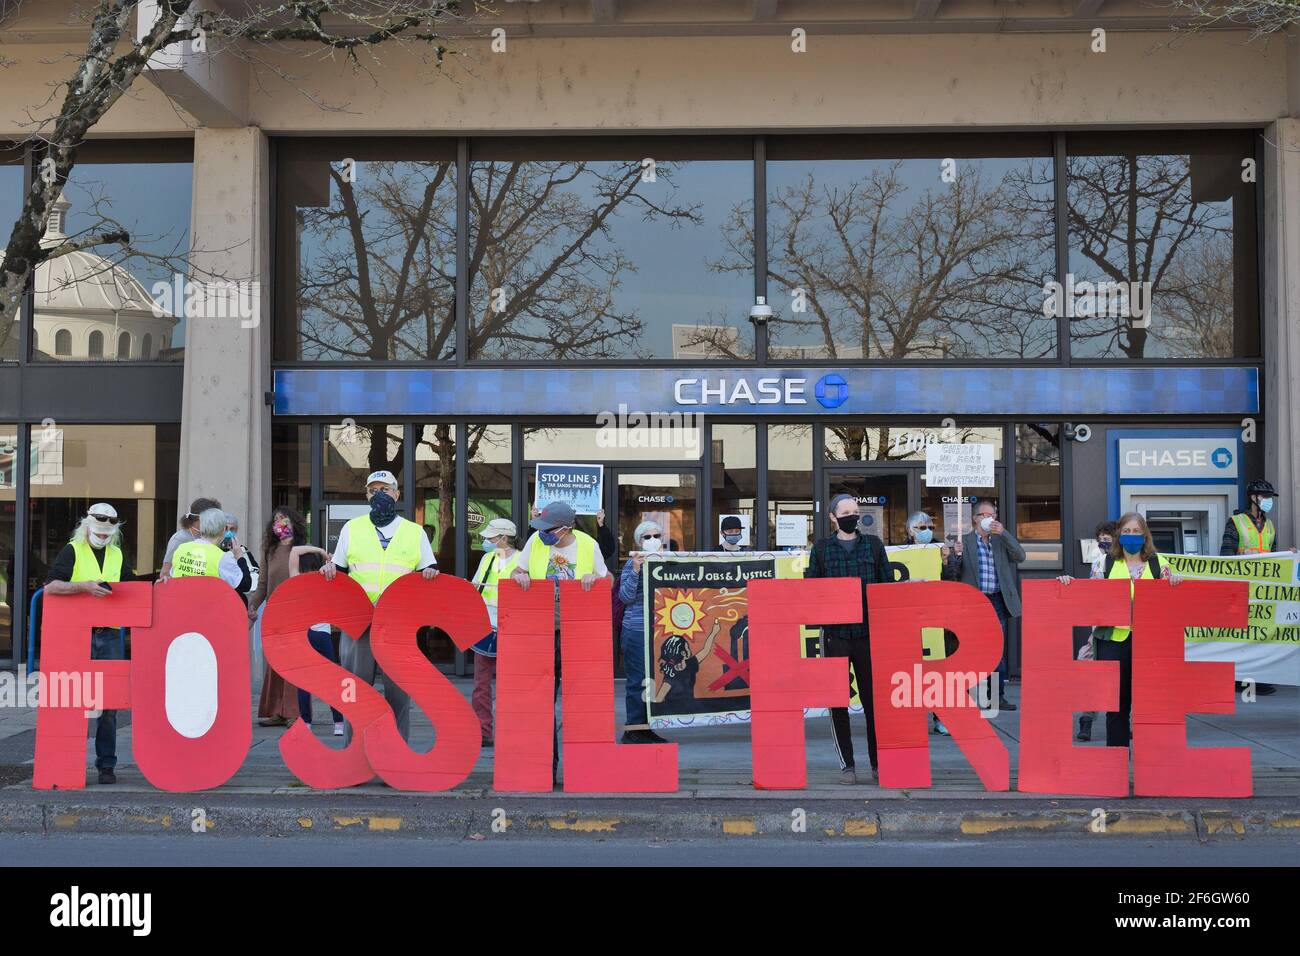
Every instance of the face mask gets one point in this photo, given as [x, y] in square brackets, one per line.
[848, 523]
[383, 509]
[652, 544]
[1266, 505]
[98, 539]
[1131, 543]
[284, 531]
[986, 523]
[731, 538]
[1104, 545]
[548, 537]
[487, 545]
[924, 536]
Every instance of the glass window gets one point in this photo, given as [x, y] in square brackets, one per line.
[11, 205]
[672, 438]
[587, 248]
[910, 248]
[134, 468]
[352, 451]
[1038, 482]
[435, 510]
[291, 469]
[491, 486]
[123, 345]
[9, 460]
[866, 442]
[735, 487]
[1162, 246]
[98, 293]
[790, 481]
[367, 246]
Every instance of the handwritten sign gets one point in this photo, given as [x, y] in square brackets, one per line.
[959, 466]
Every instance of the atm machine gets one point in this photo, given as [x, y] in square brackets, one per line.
[1184, 527]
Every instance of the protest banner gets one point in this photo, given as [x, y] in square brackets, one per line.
[581, 486]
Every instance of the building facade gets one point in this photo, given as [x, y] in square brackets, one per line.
[743, 255]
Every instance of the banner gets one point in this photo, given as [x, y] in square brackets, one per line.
[1268, 650]
[579, 486]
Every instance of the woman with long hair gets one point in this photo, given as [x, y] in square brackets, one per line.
[278, 705]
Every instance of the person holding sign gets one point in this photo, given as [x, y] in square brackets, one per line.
[920, 531]
[499, 543]
[649, 539]
[1132, 556]
[986, 558]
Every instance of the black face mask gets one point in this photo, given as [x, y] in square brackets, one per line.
[848, 523]
[383, 509]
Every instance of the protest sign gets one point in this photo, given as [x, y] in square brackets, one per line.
[578, 485]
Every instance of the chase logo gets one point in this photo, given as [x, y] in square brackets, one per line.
[1221, 457]
[831, 390]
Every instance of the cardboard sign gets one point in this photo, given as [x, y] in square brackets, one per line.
[951, 465]
[578, 485]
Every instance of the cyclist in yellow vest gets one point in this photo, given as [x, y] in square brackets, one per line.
[1251, 532]
[204, 557]
[499, 543]
[375, 550]
[559, 552]
[91, 563]
[1133, 556]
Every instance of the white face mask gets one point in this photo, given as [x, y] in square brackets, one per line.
[986, 523]
[652, 544]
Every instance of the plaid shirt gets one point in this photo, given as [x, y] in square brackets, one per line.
[988, 570]
[865, 561]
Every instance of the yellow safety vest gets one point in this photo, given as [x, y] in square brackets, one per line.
[375, 567]
[196, 559]
[87, 566]
[489, 573]
[1249, 538]
[1120, 570]
[540, 556]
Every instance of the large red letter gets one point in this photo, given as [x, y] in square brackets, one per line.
[1056, 686]
[66, 622]
[781, 682]
[593, 763]
[897, 613]
[1167, 687]
[525, 687]
[409, 603]
[295, 606]
[190, 686]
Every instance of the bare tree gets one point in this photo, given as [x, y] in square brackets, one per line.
[115, 58]
[1262, 17]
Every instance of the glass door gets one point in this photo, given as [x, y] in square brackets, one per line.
[885, 498]
[669, 498]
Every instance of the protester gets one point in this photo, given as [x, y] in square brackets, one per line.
[558, 552]
[850, 553]
[1104, 535]
[499, 542]
[304, 559]
[375, 550]
[204, 556]
[649, 538]
[1252, 532]
[920, 531]
[286, 530]
[1132, 556]
[732, 530]
[187, 530]
[986, 557]
[247, 564]
[90, 563]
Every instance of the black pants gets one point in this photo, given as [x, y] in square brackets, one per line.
[1117, 722]
[858, 651]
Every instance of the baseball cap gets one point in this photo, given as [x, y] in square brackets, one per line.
[732, 523]
[497, 527]
[557, 514]
[387, 477]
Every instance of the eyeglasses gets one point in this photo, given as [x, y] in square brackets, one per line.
[651, 537]
[923, 527]
[105, 518]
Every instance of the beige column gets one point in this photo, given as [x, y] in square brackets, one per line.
[225, 423]
[1282, 323]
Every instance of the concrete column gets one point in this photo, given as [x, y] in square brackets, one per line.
[1282, 323]
[225, 423]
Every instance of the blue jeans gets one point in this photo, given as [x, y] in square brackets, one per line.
[106, 645]
[1004, 618]
[324, 645]
[633, 645]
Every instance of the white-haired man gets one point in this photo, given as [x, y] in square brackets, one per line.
[375, 550]
[91, 563]
[204, 557]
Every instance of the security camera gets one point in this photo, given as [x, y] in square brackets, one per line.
[760, 311]
[1077, 432]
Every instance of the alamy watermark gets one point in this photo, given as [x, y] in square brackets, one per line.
[629, 429]
[1085, 300]
[217, 299]
[936, 690]
[83, 690]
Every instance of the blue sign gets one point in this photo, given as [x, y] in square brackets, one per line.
[1221, 457]
[577, 485]
[912, 390]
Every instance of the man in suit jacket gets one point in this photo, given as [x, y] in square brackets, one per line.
[986, 558]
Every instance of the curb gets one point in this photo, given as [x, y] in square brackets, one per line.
[483, 819]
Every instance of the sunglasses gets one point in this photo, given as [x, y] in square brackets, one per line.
[106, 518]
[924, 527]
[651, 537]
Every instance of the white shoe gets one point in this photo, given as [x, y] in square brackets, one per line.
[338, 728]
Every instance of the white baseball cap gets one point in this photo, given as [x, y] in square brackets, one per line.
[499, 526]
[386, 477]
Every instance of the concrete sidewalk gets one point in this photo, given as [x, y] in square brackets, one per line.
[716, 793]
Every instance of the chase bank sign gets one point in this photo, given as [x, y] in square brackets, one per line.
[830, 391]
